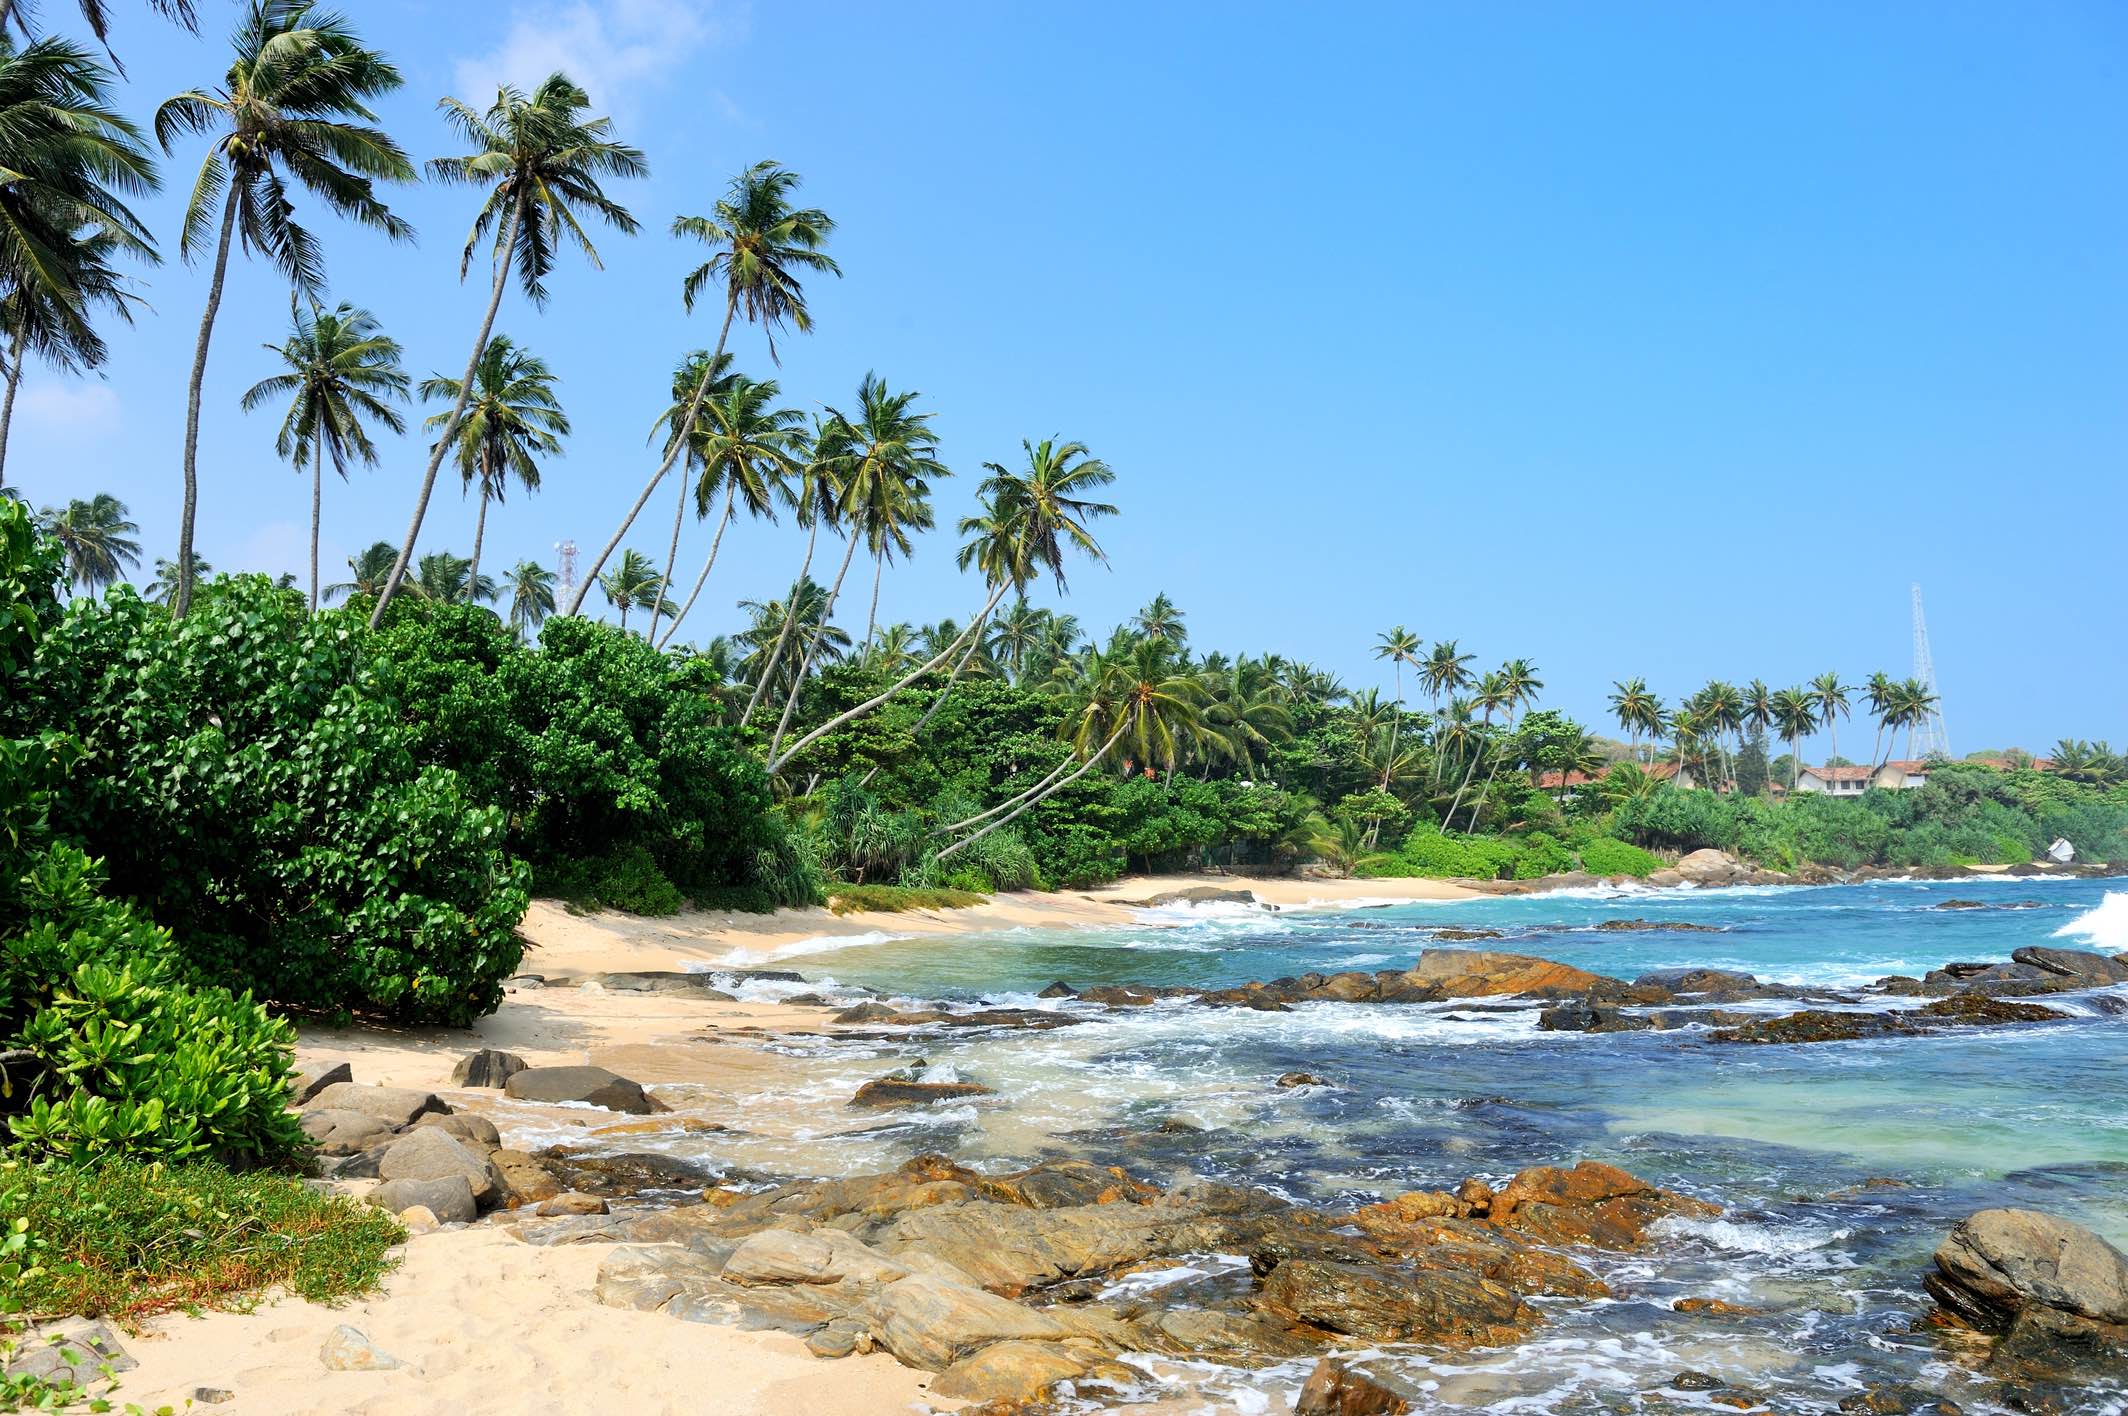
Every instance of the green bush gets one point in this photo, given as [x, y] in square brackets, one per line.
[1601, 855]
[247, 786]
[892, 899]
[626, 879]
[127, 1239]
[1435, 856]
[1542, 855]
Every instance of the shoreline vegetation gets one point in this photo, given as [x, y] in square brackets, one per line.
[230, 808]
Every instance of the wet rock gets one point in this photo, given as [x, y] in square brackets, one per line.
[1455, 934]
[1301, 1079]
[309, 1081]
[1013, 1371]
[343, 1133]
[348, 1349]
[1658, 926]
[890, 1091]
[621, 1174]
[1380, 1304]
[1059, 989]
[1196, 895]
[698, 985]
[449, 1198]
[1692, 980]
[1120, 996]
[2087, 970]
[1981, 1010]
[1592, 1018]
[486, 1068]
[1476, 973]
[477, 1132]
[2055, 1292]
[867, 1013]
[1717, 1307]
[395, 1106]
[1962, 905]
[1593, 1203]
[430, 1153]
[1901, 986]
[1690, 1380]
[1335, 1389]
[592, 1086]
[1819, 1025]
[1898, 1400]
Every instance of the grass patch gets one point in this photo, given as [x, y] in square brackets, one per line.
[892, 899]
[127, 1239]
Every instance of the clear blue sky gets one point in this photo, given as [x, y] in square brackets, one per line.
[1671, 340]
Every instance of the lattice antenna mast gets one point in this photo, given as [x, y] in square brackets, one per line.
[1930, 738]
[567, 550]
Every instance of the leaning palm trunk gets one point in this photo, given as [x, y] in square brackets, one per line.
[480, 533]
[182, 601]
[974, 643]
[1084, 768]
[783, 636]
[812, 647]
[981, 816]
[871, 619]
[450, 428]
[776, 763]
[681, 437]
[7, 406]
[702, 579]
[1456, 802]
[317, 508]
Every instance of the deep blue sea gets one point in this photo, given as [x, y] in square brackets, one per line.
[1796, 1141]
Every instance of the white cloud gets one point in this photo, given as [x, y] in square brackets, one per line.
[84, 407]
[614, 48]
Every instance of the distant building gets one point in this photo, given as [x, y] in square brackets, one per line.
[1834, 781]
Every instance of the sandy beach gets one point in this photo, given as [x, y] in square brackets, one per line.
[481, 1322]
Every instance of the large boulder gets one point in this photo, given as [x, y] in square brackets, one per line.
[340, 1133]
[590, 1086]
[1711, 867]
[478, 1132]
[314, 1077]
[783, 1256]
[1484, 973]
[431, 1153]
[931, 1322]
[1016, 1371]
[1593, 1203]
[486, 1068]
[2054, 1293]
[524, 1180]
[893, 1091]
[395, 1106]
[2086, 969]
[450, 1198]
[1376, 1303]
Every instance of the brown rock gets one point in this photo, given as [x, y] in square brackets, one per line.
[1334, 1389]
[1381, 1304]
[1478, 973]
[476, 1131]
[310, 1080]
[1593, 1203]
[1716, 1306]
[429, 1153]
[340, 1133]
[930, 1322]
[486, 1068]
[395, 1106]
[570, 1202]
[888, 1091]
[1012, 1371]
[593, 1086]
[525, 1181]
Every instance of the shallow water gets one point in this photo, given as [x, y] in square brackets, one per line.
[1422, 1096]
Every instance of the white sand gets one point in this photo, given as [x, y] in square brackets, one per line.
[486, 1324]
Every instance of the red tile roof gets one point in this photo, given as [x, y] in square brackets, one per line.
[1840, 774]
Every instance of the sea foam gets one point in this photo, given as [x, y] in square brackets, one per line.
[2104, 926]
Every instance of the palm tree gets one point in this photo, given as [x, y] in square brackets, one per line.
[1831, 696]
[749, 448]
[1631, 705]
[1019, 636]
[367, 571]
[884, 455]
[898, 508]
[449, 579]
[541, 161]
[1027, 521]
[1880, 692]
[818, 501]
[760, 244]
[279, 115]
[1162, 619]
[340, 369]
[1721, 712]
[631, 584]
[70, 159]
[1445, 672]
[1795, 712]
[531, 596]
[1400, 647]
[162, 588]
[1757, 706]
[96, 536]
[512, 420]
[1914, 703]
[96, 15]
[1242, 715]
[893, 650]
[802, 617]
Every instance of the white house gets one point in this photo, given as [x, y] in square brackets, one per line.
[1834, 781]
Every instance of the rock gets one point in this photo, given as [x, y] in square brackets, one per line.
[839, 1338]
[419, 1219]
[2087, 969]
[1455, 934]
[1475, 1196]
[524, 1180]
[1012, 1371]
[782, 1256]
[618, 1175]
[1898, 1401]
[930, 1323]
[431, 1153]
[1999, 1263]
[478, 1132]
[643, 1279]
[1818, 1025]
[888, 1091]
[867, 1013]
[570, 1202]
[1665, 879]
[1697, 1381]
[1059, 989]
[1301, 1079]
[1595, 1204]
[1716, 1306]
[486, 1068]
[591, 1086]
[212, 1396]
[72, 1350]
[1476, 973]
[1699, 981]
[697, 985]
[1981, 1010]
[1590, 1017]
[1334, 1389]
[1196, 895]
[343, 1133]
[350, 1350]
[670, 1126]
[1962, 905]
[1119, 996]
[1657, 926]
[1710, 867]
[309, 1081]
[449, 1199]
[1380, 1304]
[395, 1106]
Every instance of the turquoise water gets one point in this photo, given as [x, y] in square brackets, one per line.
[1422, 1096]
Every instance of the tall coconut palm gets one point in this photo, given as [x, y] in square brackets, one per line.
[541, 161]
[1446, 671]
[1162, 618]
[512, 420]
[1242, 715]
[800, 618]
[818, 501]
[1029, 519]
[1879, 690]
[70, 160]
[749, 449]
[531, 596]
[683, 414]
[281, 115]
[1721, 713]
[1018, 637]
[1757, 706]
[1914, 703]
[886, 451]
[97, 537]
[631, 584]
[1631, 704]
[1831, 706]
[366, 570]
[1795, 714]
[162, 587]
[1400, 647]
[760, 244]
[898, 509]
[340, 370]
[448, 579]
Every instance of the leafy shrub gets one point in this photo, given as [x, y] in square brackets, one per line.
[892, 899]
[626, 878]
[999, 861]
[1542, 855]
[1435, 856]
[246, 785]
[128, 1238]
[1602, 855]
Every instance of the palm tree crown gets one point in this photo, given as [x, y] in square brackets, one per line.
[96, 536]
[511, 420]
[761, 243]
